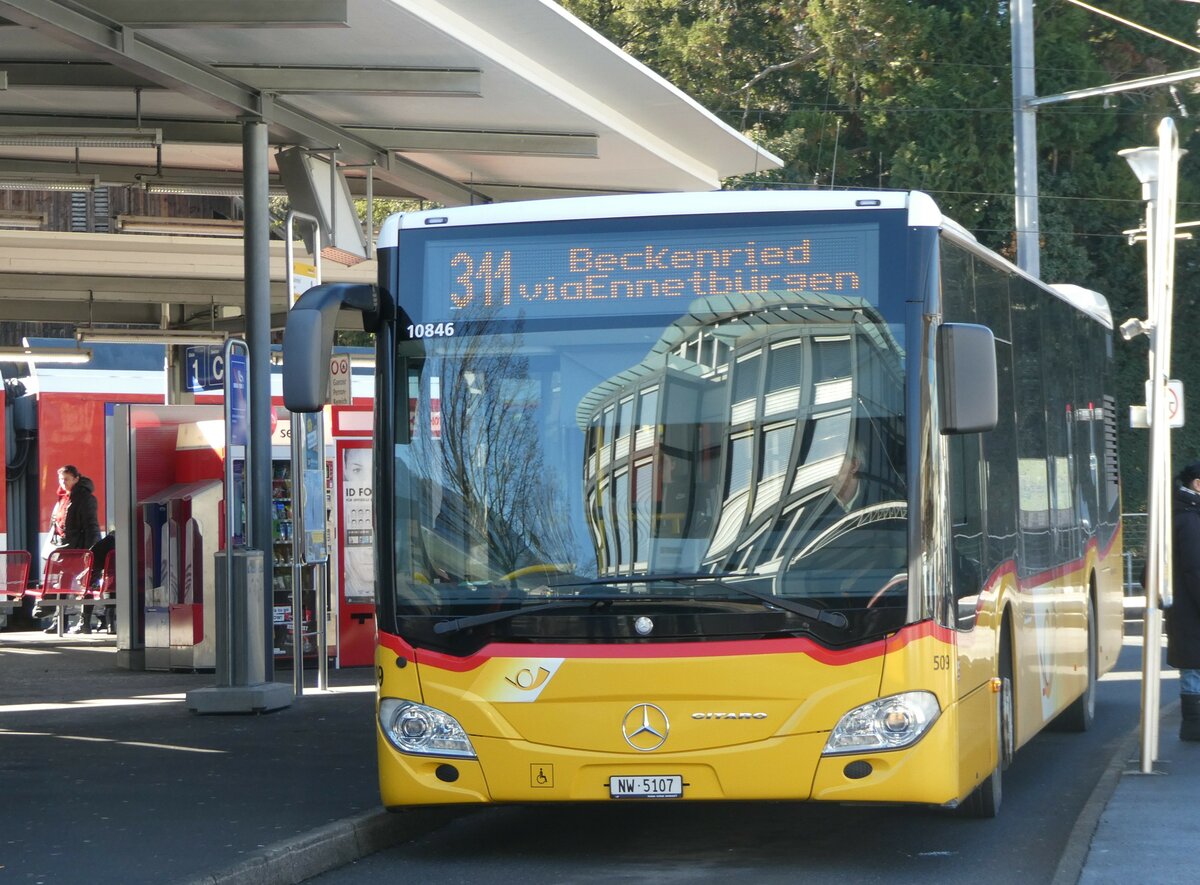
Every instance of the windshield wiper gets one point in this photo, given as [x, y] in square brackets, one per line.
[832, 618]
[453, 626]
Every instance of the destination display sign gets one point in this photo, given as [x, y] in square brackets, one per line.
[649, 272]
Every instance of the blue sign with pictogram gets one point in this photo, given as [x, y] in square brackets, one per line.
[239, 398]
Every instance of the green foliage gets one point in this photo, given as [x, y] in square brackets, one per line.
[918, 94]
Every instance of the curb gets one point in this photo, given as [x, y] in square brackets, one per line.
[1079, 843]
[329, 847]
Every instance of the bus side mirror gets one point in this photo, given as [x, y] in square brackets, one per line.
[966, 372]
[308, 341]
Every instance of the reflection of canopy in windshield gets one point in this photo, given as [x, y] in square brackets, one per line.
[751, 425]
[856, 519]
[728, 318]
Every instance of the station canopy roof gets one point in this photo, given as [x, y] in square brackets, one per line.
[450, 101]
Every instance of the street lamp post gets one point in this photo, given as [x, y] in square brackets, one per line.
[1156, 168]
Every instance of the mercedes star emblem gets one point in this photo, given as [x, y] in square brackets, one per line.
[645, 727]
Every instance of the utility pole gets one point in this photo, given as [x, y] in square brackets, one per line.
[1025, 193]
[1157, 170]
[1025, 105]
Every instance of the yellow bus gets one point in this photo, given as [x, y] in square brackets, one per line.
[726, 496]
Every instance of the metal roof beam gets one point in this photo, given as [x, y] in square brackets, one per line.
[224, 13]
[544, 144]
[281, 79]
[286, 79]
[423, 182]
[34, 306]
[124, 47]
[505, 192]
[178, 131]
[75, 75]
[536, 144]
[123, 175]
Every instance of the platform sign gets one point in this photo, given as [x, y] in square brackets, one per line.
[238, 397]
[204, 365]
[313, 486]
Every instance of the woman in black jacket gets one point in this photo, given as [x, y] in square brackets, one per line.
[1183, 617]
[81, 527]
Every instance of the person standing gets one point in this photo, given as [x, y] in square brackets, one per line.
[74, 523]
[58, 525]
[1183, 617]
[80, 525]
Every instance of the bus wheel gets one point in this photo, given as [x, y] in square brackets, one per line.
[984, 801]
[1082, 711]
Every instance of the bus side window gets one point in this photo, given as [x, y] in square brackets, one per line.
[960, 279]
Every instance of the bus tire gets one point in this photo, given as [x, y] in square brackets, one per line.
[1081, 713]
[984, 801]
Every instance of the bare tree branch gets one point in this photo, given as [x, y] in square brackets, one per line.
[766, 72]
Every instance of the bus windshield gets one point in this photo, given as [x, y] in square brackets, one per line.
[688, 461]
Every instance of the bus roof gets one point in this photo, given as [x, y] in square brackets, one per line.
[1092, 303]
[1084, 300]
[921, 208]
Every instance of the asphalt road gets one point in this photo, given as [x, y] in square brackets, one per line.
[1045, 790]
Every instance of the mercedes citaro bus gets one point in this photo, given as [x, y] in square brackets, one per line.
[726, 496]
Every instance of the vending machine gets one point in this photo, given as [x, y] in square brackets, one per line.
[154, 581]
[179, 527]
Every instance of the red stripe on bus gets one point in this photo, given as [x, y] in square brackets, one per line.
[814, 650]
[1026, 584]
[919, 630]
[397, 646]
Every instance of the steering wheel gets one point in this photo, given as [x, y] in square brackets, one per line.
[541, 568]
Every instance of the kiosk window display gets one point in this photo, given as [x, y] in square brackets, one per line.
[282, 537]
[358, 573]
[356, 555]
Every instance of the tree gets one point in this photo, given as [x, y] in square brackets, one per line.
[918, 94]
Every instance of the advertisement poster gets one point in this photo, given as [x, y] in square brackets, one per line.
[358, 580]
[313, 478]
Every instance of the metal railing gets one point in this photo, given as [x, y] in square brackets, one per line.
[1134, 528]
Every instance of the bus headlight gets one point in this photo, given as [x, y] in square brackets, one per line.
[886, 724]
[426, 731]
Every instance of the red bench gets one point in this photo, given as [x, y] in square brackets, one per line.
[65, 583]
[14, 578]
